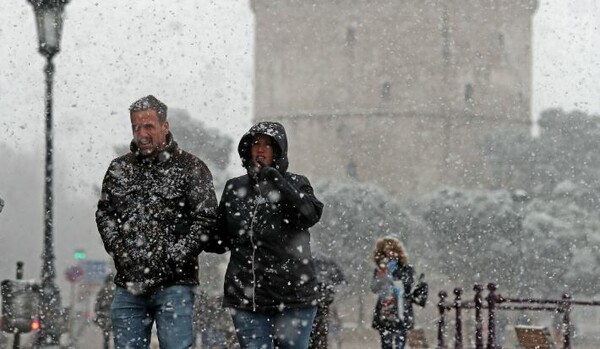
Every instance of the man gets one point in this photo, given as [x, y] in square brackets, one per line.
[157, 207]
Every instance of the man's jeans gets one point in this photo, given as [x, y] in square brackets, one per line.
[288, 329]
[172, 309]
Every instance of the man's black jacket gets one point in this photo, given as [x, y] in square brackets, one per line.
[154, 216]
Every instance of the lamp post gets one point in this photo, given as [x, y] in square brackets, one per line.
[49, 19]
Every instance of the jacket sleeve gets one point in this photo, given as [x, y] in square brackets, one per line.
[107, 217]
[378, 282]
[202, 201]
[297, 196]
[410, 279]
[218, 242]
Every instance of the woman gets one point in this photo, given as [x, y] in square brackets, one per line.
[392, 281]
[263, 219]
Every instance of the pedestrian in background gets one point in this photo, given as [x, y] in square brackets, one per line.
[392, 281]
[329, 275]
[214, 323]
[263, 219]
[102, 305]
[156, 210]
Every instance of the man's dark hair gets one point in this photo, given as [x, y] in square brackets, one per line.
[150, 102]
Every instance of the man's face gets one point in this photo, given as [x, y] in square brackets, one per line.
[148, 133]
[262, 150]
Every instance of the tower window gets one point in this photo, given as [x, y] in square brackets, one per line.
[350, 35]
[386, 90]
[468, 93]
[352, 170]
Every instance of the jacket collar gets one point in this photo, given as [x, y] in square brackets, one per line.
[162, 156]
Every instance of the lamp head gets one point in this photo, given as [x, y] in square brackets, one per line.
[49, 20]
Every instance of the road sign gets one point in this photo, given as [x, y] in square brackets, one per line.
[79, 255]
[94, 271]
[74, 273]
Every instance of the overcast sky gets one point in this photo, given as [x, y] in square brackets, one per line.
[198, 55]
[566, 55]
[194, 55]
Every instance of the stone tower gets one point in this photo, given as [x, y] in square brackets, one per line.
[400, 93]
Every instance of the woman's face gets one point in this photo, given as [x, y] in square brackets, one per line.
[390, 253]
[262, 150]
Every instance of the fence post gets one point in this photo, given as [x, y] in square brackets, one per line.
[441, 321]
[478, 322]
[566, 305]
[491, 299]
[458, 338]
[17, 335]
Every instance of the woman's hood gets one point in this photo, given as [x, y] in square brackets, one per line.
[274, 130]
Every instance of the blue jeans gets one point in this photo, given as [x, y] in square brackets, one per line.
[171, 308]
[287, 329]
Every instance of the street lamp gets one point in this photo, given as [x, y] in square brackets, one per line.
[49, 19]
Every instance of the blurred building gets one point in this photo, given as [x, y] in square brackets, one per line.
[400, 93]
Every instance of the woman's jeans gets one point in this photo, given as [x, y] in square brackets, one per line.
[287, 329]
[393, 340]
[171, 308]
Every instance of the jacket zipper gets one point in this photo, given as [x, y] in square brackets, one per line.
[257, 201]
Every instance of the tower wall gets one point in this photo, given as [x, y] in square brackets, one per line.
[407, 89]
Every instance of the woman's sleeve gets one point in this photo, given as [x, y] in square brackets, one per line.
[302, 203]
[218, 241]
[378, 282]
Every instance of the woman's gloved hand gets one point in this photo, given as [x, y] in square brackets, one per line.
[269, 174]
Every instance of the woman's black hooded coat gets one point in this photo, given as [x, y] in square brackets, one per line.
[263, 220]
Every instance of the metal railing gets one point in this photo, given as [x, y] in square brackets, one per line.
[495, 302]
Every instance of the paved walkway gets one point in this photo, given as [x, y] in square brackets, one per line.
[352, 337]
